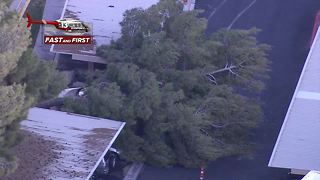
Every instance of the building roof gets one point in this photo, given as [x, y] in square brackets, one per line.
[105, 16]
[78, 142]
[298, 146]
[312, 175]
[19, 6]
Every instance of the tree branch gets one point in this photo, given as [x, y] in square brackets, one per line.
[228, 68]
[204, 132]
[200, 109]
[212, 79]
[224, 125]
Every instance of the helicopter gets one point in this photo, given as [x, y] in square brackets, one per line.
[67, 24]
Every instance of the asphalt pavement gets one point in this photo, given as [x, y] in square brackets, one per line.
[286, 25]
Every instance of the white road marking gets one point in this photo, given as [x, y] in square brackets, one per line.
[308, 95]
[216, 9]
[241, 13]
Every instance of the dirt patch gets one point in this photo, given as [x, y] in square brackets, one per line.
[98, 138]
[34, 155]
[99, 134]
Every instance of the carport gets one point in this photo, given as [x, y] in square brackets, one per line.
[60, 145]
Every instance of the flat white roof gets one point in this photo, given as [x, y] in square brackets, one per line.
[105, 16]
[298, 146]
[78, 143]
[312, 175]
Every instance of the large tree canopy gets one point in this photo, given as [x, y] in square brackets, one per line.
[187, 98]
[23, 81]
[13, 42]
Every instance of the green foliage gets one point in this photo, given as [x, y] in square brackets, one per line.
[11, 98]
[14, 40]
[187, 98]
[7, 2]
[7, 165]
[11, 48]
[24, 80]
[42, 80]
[245, 54]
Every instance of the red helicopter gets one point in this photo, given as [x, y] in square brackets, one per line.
[69, 25]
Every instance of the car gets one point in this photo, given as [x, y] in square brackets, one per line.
[69, 92]
[82, 92]
[73, 92]
[107, 164]
[291, 176]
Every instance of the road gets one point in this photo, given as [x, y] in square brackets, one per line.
[286, 25]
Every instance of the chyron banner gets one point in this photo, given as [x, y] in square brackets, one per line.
[64, 31]
[67, 40]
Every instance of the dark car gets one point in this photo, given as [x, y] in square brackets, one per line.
[294, 176]
[107, 164]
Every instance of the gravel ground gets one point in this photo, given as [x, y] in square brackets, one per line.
[28, 152]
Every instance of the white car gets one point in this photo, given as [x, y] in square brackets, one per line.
[73, 92]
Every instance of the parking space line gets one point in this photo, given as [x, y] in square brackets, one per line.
[241, 13]
[216, 9]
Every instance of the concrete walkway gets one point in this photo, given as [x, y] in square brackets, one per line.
[134, 171]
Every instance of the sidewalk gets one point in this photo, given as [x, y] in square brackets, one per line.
[134, 171]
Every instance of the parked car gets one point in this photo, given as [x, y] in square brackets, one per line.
[291, 176]
[73, 92]
[107, 164]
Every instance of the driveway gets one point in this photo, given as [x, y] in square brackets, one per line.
[286, 25]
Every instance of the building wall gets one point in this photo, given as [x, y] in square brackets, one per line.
[299, 171]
